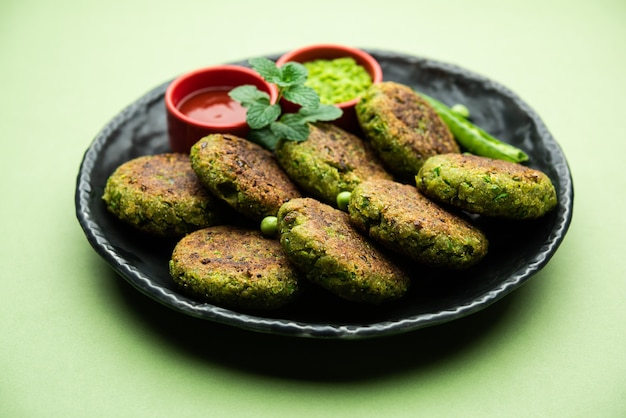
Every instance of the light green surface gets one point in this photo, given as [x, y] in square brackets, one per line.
[78, 341]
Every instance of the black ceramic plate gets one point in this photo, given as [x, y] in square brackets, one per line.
[517, 249]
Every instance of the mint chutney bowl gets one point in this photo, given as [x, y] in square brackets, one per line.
[337, 71]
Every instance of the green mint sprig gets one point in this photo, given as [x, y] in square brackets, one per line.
[268, 123]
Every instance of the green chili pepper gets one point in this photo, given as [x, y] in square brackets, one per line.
[473, 138]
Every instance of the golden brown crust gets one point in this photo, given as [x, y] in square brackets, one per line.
[346, 151]
[401, 218]
[243, 174]
[161, 194]
[487, 186]
[162, 175]
[430, 133]
[321, 242]
[235, 267]
[403, 128]
[330, 161]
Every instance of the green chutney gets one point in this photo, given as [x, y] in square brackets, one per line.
[337, 80]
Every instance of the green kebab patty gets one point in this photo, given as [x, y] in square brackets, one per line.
[487, 187]
[402, 127]
[243, 174]
[330, 161]
[399, 217]
[234, 267]
[322, 243]
[161, 195]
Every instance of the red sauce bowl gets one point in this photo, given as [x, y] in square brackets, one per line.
[348, 120]
[221, 114]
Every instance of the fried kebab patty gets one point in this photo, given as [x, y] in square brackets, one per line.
[234, 267]
[330, 161]
[322, 243]
[402, 127]
[399, 217]
[161, 195]
[487, 187]
[243, 174]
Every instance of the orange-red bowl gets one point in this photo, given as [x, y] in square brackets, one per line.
[183, 130]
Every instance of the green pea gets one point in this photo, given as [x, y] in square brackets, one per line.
[461, 110]
[342, 200]
[269, 226]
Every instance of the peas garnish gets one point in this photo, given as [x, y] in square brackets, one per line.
[342, 200]
[461, 110]
[269, 226]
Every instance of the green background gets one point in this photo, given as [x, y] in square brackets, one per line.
[78, 341]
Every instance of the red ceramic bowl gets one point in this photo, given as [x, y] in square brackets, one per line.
[332, 51]
[197, 104]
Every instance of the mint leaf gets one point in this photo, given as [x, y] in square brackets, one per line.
[302, 95]
[264, 137]
[261, 114]
[266, 69]
[320, 113]
[293, 119]
[291, 74]
[267, 123]
[248, 94]
[293, 131]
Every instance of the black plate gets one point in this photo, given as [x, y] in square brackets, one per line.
[517, 249]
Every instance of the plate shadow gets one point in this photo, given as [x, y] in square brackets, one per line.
[312, 359]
